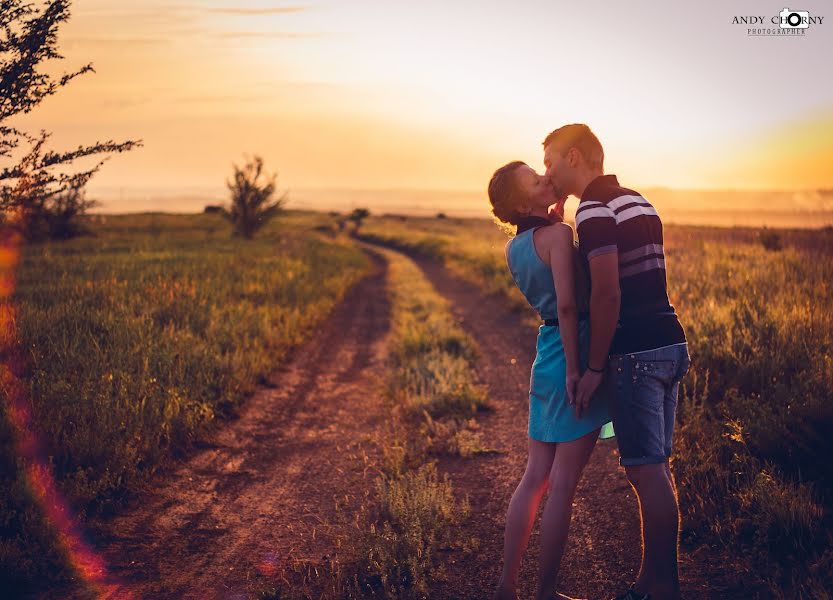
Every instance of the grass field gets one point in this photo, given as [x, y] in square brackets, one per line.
[756, 409]
[141, 338]
[138, 339]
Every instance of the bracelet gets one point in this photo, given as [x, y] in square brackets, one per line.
[589, 368]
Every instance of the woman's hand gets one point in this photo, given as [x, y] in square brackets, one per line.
[573, 377]
[556, 211]
[586, 388]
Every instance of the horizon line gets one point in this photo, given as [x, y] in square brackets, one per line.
[185, 188]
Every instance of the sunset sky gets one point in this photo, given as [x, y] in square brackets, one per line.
[437, 94]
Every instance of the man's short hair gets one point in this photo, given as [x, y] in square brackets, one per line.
[579, 136]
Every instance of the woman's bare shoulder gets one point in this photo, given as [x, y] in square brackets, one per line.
[557, 233]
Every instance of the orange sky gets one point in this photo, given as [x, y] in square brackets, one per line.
[436, 95]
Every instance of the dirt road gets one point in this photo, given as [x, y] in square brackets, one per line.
[273, 490]
[261, 496]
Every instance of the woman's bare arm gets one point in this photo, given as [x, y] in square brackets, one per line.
[561, 263]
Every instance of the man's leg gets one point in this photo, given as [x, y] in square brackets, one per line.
[660, 525]
[670, 415]
[683, 362]
[644, 408]
[676, 568]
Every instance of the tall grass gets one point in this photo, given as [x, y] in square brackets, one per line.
[754, 443]
[755, 413]
[139, 338]
[432, 403]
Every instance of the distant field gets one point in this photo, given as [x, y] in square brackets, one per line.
[756, 409]
[139, 338]
[723, 208]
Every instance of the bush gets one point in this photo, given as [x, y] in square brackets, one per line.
[58, 216]
[770, 240]
[251, 191]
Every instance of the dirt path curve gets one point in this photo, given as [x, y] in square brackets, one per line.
[262, 494]
[603, 551]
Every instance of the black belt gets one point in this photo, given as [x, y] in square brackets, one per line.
[554, 322]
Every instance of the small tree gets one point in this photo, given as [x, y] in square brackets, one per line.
[251, 191]
[358, 215]
[31, 191]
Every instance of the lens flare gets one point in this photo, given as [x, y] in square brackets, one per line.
[269, 564]
[39, 479]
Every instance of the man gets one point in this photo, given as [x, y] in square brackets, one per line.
[636, 339]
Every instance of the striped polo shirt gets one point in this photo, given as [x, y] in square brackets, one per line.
[611, 218]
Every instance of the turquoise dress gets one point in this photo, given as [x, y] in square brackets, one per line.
[551, 418]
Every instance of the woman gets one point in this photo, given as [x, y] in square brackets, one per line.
[544, 263]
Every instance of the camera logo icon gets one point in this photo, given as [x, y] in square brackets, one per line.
[794, 19]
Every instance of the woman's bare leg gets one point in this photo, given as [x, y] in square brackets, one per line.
[569, 462]
[523, 507]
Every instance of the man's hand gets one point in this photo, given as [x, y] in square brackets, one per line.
[589, 383]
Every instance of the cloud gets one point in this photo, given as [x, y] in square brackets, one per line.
[179, 14]
[278, 10]
[123, 103]
[163, 23]
[105, 41]
[268, 34]
[220, 98]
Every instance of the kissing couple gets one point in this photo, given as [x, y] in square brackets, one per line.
[610, 354]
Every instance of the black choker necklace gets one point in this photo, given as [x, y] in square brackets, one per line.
[530, 221]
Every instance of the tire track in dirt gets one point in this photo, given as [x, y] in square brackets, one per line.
[275, 488]
[260, 496]
[603, 551]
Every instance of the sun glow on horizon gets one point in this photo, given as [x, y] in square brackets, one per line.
[373, 94]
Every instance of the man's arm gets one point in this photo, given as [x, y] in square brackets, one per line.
[604, 306]
[604, 314]
[596, 225]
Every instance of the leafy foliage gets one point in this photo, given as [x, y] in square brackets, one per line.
[251, 189]
[34, 190]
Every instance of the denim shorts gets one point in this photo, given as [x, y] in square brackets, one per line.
[644, 401]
